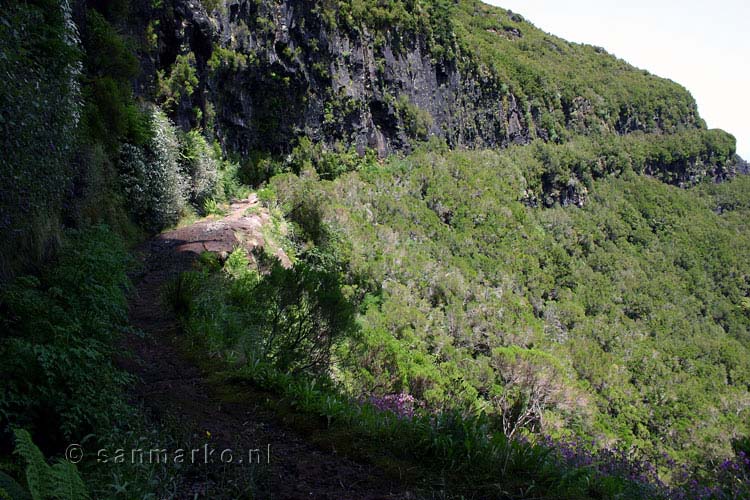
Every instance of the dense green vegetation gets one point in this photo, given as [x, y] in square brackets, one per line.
[646, 279]
[431, 19]
[40, 110]
[635, 304]
[59, 332]
[623, 322]
[70, 121]
[598, 93]
[552, 173]
[546, 320]
[567, 88]
[271, 331]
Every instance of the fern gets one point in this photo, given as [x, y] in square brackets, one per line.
[69, 484]
[60, 481]
[58, 332]
[10, 489]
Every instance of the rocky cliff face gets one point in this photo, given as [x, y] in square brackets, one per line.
[271, 71]
[742, 166]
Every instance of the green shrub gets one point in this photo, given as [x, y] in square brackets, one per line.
[288, 318]
[211, 5]
[111, 114]
[39, 111]
[230, 186]
[179, 292]
[200, 166]
[57, 341]
[327, 163]
[417, 121]
[60, 481]
[179, 84]
[228, 60]
[154, 185]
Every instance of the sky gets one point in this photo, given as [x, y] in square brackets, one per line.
[703, 45]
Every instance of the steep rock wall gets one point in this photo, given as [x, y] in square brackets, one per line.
[271, 71]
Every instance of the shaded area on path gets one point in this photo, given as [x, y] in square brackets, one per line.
[176, 391]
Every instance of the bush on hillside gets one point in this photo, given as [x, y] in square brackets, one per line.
[199, 166]
[154, 185]
[111, 114]
[57, 336]
[39, 111]
[180, 83]
[641, 294]
[288, 318]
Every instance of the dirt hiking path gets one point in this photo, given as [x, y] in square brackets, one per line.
[174, 390]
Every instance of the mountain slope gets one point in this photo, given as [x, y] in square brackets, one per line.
[384, 74]
[637, 300]
[517, 262]
[262, 77]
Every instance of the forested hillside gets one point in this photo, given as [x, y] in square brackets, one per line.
[482, 261]
[635, 302]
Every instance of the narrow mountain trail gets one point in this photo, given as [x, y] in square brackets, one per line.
[175, 391]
